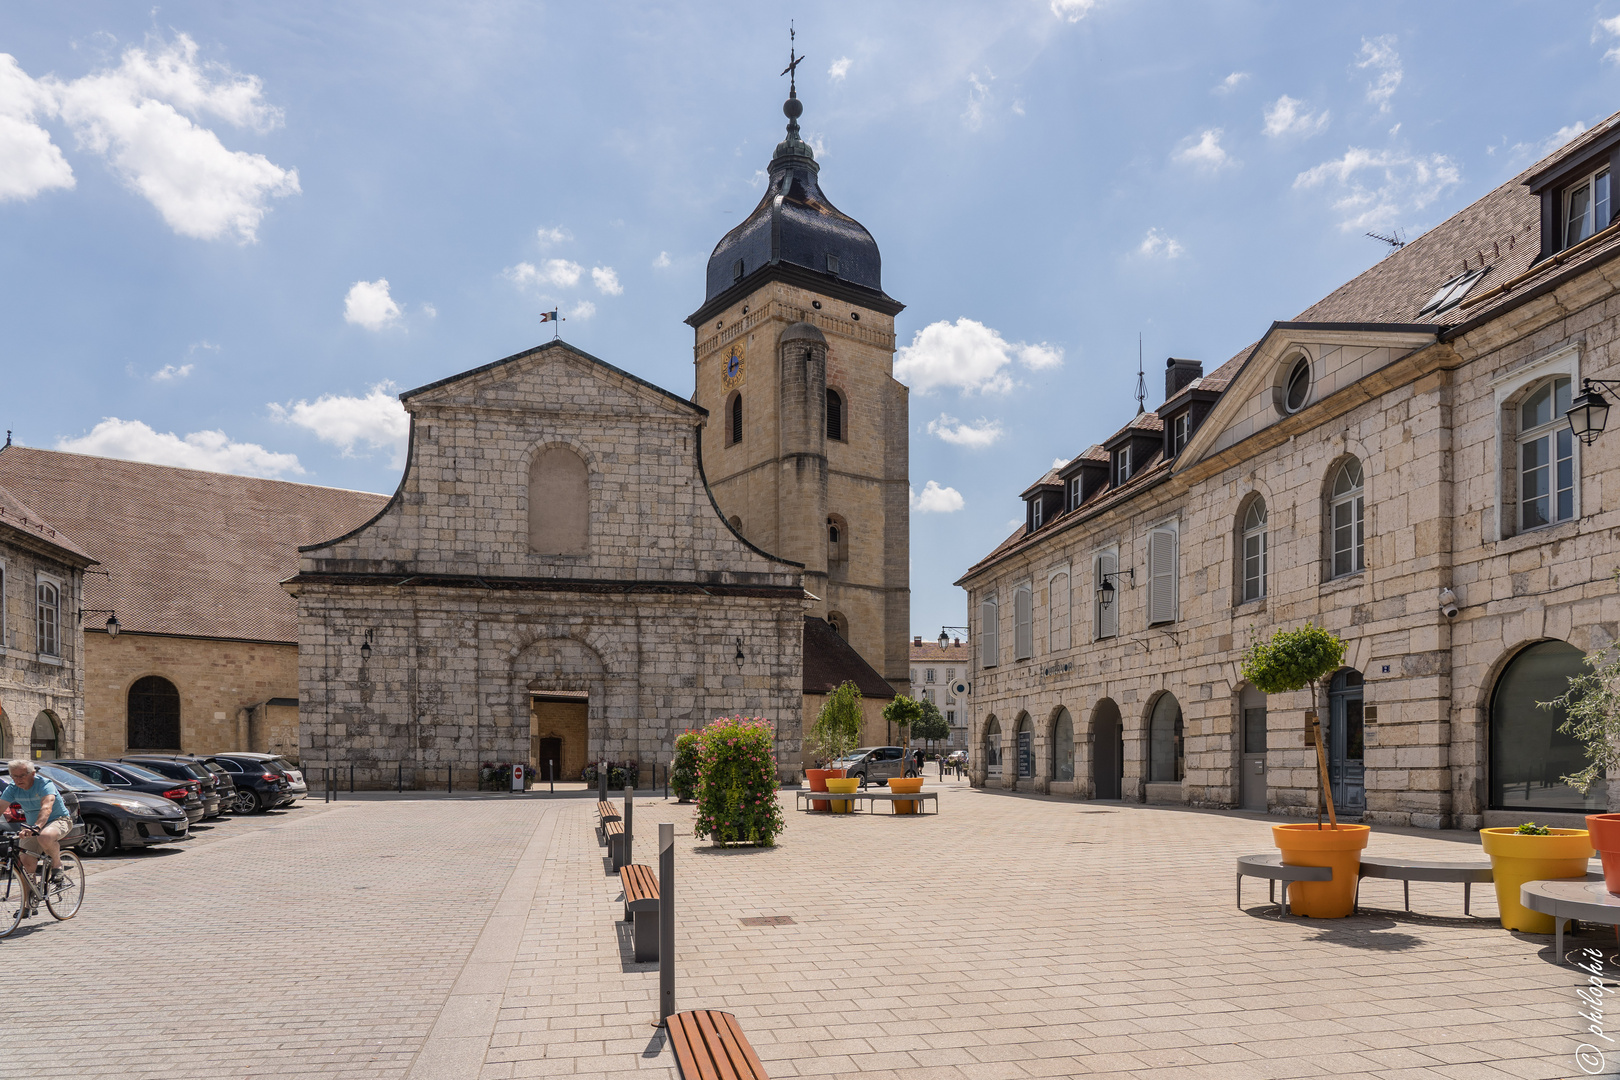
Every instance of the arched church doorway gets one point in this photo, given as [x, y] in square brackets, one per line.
[1107, 751]
[557, 732]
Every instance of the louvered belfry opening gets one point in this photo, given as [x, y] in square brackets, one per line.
[736, 419]
[835, 415]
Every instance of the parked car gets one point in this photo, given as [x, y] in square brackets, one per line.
[178, 767]
[873, 764]
[70, 796]
[118, 819]
[213, 779]
[260, 786]
[226, 782]
[296, 788]
[124, 776]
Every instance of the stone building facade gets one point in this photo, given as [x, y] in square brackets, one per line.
[1396, 465]
[553, 539]
[794, 355]
[41, 636]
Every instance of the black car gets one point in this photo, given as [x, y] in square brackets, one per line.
[69, 796]
[178, 767]
[123, 776]
[275, 763]
[260, 786]
[226, 783]
[118, 819]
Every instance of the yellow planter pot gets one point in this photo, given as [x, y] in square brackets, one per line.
[1306, 845]
[842, 786]
[906, 785]
[1517, 858]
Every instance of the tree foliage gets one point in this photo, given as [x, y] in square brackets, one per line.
[1292, 660]
[931, 726]
[736, 788]
[1592, 714]
[902, 712]
[683, 776]
[837, 729]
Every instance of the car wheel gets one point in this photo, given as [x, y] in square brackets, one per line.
[100, 837]
[247, 802]
[862, 778]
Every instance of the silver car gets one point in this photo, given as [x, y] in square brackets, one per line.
[873, 764]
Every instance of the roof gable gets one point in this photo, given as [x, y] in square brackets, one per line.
[526, 378]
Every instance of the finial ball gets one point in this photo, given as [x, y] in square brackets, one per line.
[792, 108]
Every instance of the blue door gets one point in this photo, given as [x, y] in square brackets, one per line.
[1346, 748]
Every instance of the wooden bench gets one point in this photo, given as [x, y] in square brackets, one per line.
[607, 811]
[710, 1046]
[640, 886]
[1271, 868]
[1407, 871]
[613, 833]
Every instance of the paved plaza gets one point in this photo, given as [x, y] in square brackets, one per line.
[1009, 936]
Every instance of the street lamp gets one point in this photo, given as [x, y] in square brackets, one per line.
[1105, 590]
[945, 636]
[1589, 413]
[112, 619]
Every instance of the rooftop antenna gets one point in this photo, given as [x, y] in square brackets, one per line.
[1141, 380]
[1396, 240]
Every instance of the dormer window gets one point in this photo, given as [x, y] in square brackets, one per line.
[832, 264]
[1586, 207]
[1074, 493]
[737, 270]
[1035, 513]
[1180, 431]
[1122, 465]
[1451, 293]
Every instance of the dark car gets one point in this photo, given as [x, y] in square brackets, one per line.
[873, 764]
[118, 819]
[260, 786]
[226, 782]
[177, 767]
[70, 796]
[123, 776]
[296, 790]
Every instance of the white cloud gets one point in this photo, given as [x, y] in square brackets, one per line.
[582, 310]
[935, 499]
[171, 372]
[1204, 150]
[1059, 462]
[839, 68]
[29, 162]
[1375, 189]
[377, 420]
[1157, 245]
[1379, 54]
[1285, 117]
[547, 237]
[606, 280]
[369, 305]
[429, 310]
[1231, 82]
[212, 451]
[973, 435]
[662, 261]
[1534, 151]
[1072, 10]
[1612, 28]
[978, 98]
[555, 272]
[140, 116]
[967, 355]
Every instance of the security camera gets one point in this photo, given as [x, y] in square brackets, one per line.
[1448, 603]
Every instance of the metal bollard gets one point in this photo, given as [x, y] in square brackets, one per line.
[601, 781]
[351, 778]
[399, 777]
[553, 764]
[666, 922]
[449, 781]
[629, 821]
[666, 779]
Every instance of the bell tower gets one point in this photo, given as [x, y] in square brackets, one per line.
[806, 448]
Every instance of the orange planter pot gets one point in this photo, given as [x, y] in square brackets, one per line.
[905, 785]
[1306, 845]
[1517, 858]
[1604, 830]
[818, 782]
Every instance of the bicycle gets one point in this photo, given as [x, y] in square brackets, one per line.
[62, 892]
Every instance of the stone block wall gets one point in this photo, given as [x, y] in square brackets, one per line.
[31, 684]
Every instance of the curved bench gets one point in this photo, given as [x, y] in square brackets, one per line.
[1272, 869]
[1575, 900]
[1407, 871]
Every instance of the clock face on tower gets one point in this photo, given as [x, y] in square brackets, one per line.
[733, 366]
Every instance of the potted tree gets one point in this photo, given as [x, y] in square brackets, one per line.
[683, 774]
[1294, 660]
[1591, 709]
[903, 712]
[736, 789]
[836, 732]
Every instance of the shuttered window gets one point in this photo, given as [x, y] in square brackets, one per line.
[1107, 621]
[1058, 608]
[835, 415]
[1023, 623]
[736, 419]
[989, 633]
[1161, 576]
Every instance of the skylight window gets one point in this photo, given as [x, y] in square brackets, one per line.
[1452, 292]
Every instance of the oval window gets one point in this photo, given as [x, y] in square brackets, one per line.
[1298, 387]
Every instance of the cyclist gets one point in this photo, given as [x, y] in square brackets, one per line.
[44, 811]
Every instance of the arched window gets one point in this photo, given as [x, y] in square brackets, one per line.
[43, 745]
[1545, 457]
[559, 502]
[1024, 743]
[736, 523]
[1253, 547]
[1528, 753]
[1057, 607]
[48, 622]
[1164, 740]
[1296, 385]
[1346, 513]
[154, 714]
[992, 747]
[1063, 746]
[835, 414]
[734, 427]
[837, 546]
[840, 625]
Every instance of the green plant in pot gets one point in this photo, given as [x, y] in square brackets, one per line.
[1287, 661]
[736, 788]
[835, 733]
[683, 773]
[1591, 708]
[902, 712]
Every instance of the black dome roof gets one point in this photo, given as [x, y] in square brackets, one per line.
[794, 229]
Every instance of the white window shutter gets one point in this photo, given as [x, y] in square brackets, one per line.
[1161, 576]
[1058, 612]
[1023, 623]
[989, 633]
[1107, 615]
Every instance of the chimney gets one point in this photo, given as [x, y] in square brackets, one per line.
[1179, 373]
[916, 641]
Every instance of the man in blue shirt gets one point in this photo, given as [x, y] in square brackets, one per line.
[44, 809]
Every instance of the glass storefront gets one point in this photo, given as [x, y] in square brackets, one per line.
[1529, 754]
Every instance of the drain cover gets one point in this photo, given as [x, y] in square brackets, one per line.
[769, 920]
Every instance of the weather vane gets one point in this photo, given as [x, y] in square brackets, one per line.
[1141, 379]
[794, 60]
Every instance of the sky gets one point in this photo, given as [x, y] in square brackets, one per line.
[231, 233]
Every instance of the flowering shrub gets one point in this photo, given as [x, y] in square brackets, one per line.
[496, 775]
[683, 777]
[737, 783]
[618, 773]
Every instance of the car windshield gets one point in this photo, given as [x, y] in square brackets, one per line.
[67, 778]
[214, 767]
[283, 764]
[198, 771]
[137, 772]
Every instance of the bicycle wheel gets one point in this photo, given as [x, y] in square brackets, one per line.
[12, 904]
[64, 895]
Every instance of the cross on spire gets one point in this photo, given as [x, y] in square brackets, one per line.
[794, 60]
